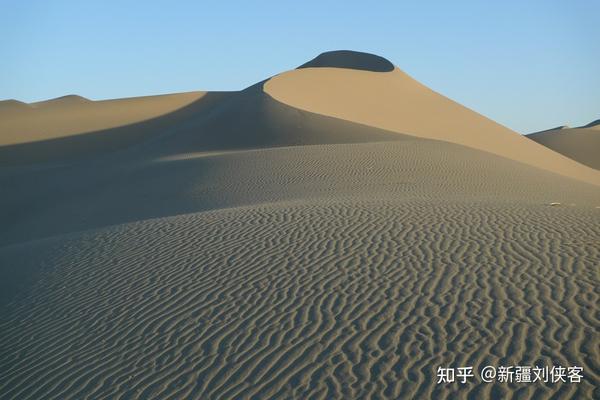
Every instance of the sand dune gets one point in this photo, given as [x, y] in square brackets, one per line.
[582, 144]
[63, 101]
[593, 125]
[251, 119]
[74, 115]
[73, 127]
[216, 120]
[12, 106]
[396, 102]
[242, 248]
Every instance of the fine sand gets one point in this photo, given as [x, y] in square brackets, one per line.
[582, 144]
[244, 247]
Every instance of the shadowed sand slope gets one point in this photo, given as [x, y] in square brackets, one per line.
[395, 102]
[74, 127]
[251, 119]
[216, 121]
[70, 127]
[593, 125]
[581, 144]
[164, 168]
[74, 115]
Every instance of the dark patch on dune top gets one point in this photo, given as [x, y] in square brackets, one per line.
[591, 124]
[351, 60]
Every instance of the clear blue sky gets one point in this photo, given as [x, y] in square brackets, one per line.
[529, 65]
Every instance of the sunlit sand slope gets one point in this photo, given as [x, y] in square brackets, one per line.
[396, 102]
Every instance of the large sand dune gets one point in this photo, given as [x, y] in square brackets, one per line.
[396, 102]
[582, 144]
[248, 249]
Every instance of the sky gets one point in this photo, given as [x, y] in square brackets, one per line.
[529, 65]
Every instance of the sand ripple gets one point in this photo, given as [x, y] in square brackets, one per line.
[346, 299]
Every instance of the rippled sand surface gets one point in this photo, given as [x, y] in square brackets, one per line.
[349, 276]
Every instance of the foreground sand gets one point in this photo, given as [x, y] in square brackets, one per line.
[301, 257]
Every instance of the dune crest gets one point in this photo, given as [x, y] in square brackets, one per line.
[12, 105]
[396, 102]
[350, 60]
[61, 101]
[593, 125]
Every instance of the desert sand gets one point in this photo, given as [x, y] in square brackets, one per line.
[394, 101]
[582, 144]
[336, 231]
[73, 126]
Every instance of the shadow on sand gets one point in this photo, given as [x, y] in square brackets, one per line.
[350, 60]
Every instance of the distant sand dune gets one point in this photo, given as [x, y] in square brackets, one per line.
[581, 144]
[593, 125]
[72, 99]
[73, 115]
[71, 127]
[12, 106]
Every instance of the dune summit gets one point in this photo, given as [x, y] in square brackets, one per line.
[350, 60]
[338, 231]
